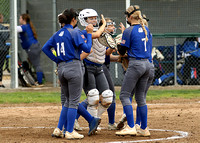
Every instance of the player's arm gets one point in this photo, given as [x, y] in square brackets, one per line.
[47, 50]
[84, 55]
[109, 51]
[98, 33]
[86, 47]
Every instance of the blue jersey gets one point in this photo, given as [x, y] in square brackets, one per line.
[134, 39]
[68, 44]
[27, 37]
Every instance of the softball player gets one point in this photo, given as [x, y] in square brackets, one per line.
[95, 83]
[30, 44]
[135, 41]
[151, 77]
[68, 44]
[110, 28]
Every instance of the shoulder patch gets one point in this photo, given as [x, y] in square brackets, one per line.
[61, 33]
[140, 30]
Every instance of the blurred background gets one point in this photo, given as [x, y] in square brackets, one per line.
[174, 24]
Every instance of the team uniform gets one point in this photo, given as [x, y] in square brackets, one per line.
[68, 44]
[137, 74]
[32, 48]
[95, 83]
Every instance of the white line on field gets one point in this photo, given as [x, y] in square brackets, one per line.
[181, 134]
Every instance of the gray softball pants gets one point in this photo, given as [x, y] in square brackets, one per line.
[71, 79]
[106, 71]
[136, 77]
[34, 56]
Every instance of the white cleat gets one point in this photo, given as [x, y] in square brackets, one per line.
[143, 133]
[137, 127]
[112, 126]
[73, 135]
[77, 126]
[57, 133]
[127, 131]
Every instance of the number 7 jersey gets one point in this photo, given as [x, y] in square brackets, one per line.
[134, 39]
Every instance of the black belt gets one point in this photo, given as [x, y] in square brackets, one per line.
[142, 59]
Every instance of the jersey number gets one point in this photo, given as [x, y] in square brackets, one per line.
[60, 49]
[145, 44]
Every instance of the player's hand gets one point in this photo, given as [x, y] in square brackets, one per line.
[122, 27]
[89, 28]
[103, 19]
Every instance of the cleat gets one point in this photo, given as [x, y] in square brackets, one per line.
[93, 126]
[112, 126]
[77, 126]
[73, 135]
[137, 127]
[127, 131]
[57, 133]
[143, 133]
[123, 119]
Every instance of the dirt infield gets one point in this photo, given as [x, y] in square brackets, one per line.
[36, 122]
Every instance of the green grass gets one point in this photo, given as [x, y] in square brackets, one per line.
[54, 97]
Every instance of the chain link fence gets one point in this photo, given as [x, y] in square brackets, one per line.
[176, 59]
[4, 44]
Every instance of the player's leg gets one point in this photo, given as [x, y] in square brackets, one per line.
[91, 91]
[106, 95]
[135, 70]
[141, 102]
[34, 57]
[111, 110]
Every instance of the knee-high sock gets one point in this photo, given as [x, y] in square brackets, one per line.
[85, 106]
[63, 117]
[129, 115]
[71, 115]
[138, 117]
[131, 98]
[143, 114]
[111, 113]
[39, 77]
[83, 112]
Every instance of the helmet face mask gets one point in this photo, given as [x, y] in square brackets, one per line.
[89, 16]
[110, 27]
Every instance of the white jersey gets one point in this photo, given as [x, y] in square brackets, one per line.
[98, 52]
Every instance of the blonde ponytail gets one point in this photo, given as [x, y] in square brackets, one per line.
[137, 15]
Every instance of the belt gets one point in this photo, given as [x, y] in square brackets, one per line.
[94, 65]
[142, 59]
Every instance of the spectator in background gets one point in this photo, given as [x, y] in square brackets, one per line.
[3, 48]
[30, 44]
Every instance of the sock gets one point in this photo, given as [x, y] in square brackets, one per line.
[143, 115]
[138, 117]
[128, 109]
[111, 113]
[63, 117]
[83, 112]
[71, 115]
[39, 77]
[85, 106]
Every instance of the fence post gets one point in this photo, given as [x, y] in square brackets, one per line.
[14, 45]
[175, 62]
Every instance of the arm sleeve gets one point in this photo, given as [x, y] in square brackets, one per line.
[126, 38]
[86, 47]
[47, 50]
[19, 29]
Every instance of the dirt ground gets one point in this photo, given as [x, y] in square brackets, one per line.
[36, 122]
